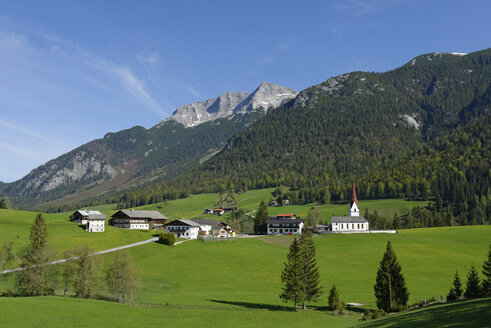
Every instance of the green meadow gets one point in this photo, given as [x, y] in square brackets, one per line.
[194, 206]
[237, 283]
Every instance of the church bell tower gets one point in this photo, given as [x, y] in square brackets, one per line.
[354, 209]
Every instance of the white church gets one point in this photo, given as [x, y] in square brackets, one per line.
[352, 223]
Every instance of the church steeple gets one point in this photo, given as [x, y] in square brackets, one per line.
[354, 209]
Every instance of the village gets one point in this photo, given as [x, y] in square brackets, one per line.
[280, 224]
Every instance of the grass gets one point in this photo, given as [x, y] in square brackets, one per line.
[194, 206]
[473, 313]
[236, 283]
[15, 227]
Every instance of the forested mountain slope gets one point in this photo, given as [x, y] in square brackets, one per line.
[419, 131]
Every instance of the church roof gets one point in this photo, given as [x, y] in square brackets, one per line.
[353, 196]
[348, 219]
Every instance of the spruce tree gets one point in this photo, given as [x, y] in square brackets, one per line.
[472, 288]
[456, 291]
[309, 289]
[291, 274]
[486, 271]
[390, 288]
[334, 301]
[37, 279]
[261, 217]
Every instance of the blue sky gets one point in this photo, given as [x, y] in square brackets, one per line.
[72, 71]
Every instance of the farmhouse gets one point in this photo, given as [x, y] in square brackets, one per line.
[95, 223]
[284, 224]
[218, 211]
[192, 228]
[82, 216]
[352, 223]
[139, 220]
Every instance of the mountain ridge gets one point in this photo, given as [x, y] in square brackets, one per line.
[137, 155]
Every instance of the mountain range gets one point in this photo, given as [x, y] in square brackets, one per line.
[421, 129]
[127, 158]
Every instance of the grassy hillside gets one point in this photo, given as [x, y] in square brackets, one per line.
[474, 313]
[238, 281]
[193, 206]
[15, 226]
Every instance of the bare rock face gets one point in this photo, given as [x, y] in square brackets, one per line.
[267, 95]
[196, 113]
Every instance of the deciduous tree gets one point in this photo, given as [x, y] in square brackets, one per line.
[123, 278]
[86, 281]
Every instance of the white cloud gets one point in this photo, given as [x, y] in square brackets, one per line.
[25, 131]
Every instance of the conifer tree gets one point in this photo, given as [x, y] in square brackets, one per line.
[334, 301]
[291, 274]
[396, 221]
[456, 291]
[38, 278]
[261, 217]
[486, 271]
[309, 289]
[390, 288]
[472, 288]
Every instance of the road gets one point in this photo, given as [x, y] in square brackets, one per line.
[97, 253]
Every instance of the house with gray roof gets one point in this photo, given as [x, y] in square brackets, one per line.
[139, 220]
[192, 228]
[94, 221]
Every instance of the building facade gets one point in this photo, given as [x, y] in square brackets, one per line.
[352, 223]
[138, 220]
[284, 224]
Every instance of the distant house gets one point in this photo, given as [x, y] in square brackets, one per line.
[352, 223]
[322, 228]
[284, 224]
[218, 211]
[95, 223]
[286, 216]
[208, 211]
[82, 216]
[229, 209]
[138, 220]
[192, 228]
[285, 202]
[274, 203]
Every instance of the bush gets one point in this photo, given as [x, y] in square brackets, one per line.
[367, 315]
[378, 314]
[167, 238]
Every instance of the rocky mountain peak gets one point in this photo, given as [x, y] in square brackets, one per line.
[267, 95]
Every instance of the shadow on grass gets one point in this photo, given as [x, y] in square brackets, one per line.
[474, 313]
[260, 306]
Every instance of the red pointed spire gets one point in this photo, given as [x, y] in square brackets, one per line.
[353, 195]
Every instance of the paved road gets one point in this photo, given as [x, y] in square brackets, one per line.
[96, 253]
